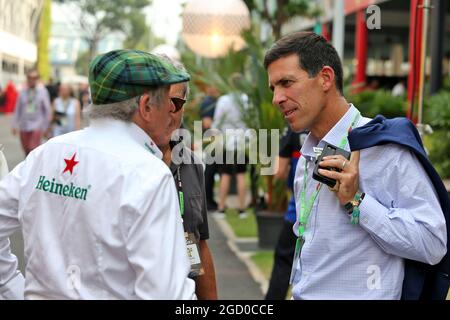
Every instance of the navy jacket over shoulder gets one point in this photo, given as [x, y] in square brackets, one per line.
[422, 281]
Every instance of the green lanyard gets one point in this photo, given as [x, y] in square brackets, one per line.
[180, 191]
[306, 205]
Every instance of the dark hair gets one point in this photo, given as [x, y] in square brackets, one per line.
[313, 50]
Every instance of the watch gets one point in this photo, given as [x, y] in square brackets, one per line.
[355, 202]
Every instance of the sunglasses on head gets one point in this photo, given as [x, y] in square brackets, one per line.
[178, 103]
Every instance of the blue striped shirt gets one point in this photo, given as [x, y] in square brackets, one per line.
[400, 218]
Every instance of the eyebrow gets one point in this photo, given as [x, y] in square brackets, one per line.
[288, 77]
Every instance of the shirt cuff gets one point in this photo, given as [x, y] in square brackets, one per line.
[13, 289]
[372, 215]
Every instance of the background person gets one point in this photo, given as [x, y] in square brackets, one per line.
[66, 112]
[207, 110]
[32, 113]
[228, 117]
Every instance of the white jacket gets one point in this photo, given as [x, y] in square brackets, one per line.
[100, 219]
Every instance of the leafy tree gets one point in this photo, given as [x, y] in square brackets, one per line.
[98, 18]
[45, 22]
[82, 63]
[282, 11]
[140, 35]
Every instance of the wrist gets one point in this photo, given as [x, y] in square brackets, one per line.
[355, 202]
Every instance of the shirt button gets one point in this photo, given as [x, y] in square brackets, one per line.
[366, 220]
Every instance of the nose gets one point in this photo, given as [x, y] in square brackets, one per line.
[278, 97]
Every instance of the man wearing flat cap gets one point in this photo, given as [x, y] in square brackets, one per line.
[98, 207]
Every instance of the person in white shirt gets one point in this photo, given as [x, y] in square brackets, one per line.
[229, 120]
[66, 112]
[98, 208]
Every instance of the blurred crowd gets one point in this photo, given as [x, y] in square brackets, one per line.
[43, 110]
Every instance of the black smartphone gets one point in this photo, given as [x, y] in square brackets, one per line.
[328, 150]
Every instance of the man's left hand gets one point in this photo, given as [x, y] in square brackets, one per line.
[347, 179]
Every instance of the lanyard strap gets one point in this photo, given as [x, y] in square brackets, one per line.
[306, 205]
[180, 191]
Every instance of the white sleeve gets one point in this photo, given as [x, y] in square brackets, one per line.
[219, 112]
[11, 280]
[406, 220]
[156, 245]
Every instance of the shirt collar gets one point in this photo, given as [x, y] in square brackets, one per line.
[333, 136]
[134, 131]
[143, 139]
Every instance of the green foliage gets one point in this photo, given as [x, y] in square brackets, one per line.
[82, 63]
[45, 23]
[100, 17]
[372, 103]
[446, 84]
[437, 111]
[438, 147]
[282, 12]
[138, 36]
[437, 114]
[260, 114]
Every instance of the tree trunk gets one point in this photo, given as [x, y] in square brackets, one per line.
[93, 45]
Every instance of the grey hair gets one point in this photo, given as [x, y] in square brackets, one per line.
[179, 66]
[124, 110]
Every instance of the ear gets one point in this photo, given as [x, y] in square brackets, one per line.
[327, 78]
[144, 107]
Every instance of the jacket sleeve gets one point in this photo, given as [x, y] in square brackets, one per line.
[155, 242]
[404, 217]
[11, 280]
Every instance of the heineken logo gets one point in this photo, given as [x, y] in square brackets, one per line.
[65, 190]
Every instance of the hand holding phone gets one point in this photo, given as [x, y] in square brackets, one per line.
[328, 150]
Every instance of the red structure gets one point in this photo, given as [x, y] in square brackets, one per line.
[11, 97]
[326, 32]
[415, 47]
[360, 51]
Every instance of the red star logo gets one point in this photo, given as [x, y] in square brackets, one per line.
[70, 163]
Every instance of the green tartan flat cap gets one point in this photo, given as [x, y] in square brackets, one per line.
[124, 74]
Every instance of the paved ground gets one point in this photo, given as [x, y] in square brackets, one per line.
[233, 277]
[234, 280]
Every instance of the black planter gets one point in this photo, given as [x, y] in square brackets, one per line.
[269, 227]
